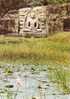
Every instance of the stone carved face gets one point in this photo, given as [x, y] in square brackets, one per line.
[32, 24]
[33, 21]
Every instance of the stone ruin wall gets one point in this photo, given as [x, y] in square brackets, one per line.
[9, 23]
[51, 18]
[56, 15]
[44, 20]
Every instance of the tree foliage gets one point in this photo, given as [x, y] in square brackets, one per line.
[6, 5]
[57, 1]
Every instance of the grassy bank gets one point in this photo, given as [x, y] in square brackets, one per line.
[54, 49]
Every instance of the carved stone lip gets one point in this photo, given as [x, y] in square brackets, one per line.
[26, 29]
[29, 30]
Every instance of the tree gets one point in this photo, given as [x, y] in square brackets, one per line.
[6, 5]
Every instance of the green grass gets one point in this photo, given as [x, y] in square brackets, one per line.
[54, 49]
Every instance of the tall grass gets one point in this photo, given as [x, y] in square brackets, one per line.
[59, 75]
[62, 80]
[55, 49]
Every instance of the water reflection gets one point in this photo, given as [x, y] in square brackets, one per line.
[24, 84]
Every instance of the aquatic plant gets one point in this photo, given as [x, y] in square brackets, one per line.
[59, 75]
[8, 70]
[62, 79]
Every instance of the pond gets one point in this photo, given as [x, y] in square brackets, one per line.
[23, 82]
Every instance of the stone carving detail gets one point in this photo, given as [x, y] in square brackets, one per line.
[34, 22]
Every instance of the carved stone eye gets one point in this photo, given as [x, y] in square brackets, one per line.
[35, 24]
[29, 24]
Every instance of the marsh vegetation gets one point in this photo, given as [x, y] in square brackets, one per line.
[35, 55]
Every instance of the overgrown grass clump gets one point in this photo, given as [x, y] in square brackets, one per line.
[60, 76]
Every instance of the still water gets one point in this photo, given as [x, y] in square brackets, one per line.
[26, 83]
